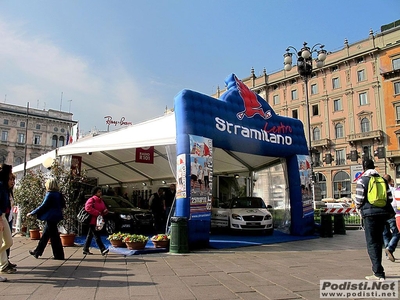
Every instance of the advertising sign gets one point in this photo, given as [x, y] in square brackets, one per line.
[201, 168]
[145, 155]
[305, 182]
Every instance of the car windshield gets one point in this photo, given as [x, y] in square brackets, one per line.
[248, 203]
[117, 202]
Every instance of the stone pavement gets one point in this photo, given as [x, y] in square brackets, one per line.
[280, 271]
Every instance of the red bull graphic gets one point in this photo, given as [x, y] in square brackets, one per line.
[252, 106]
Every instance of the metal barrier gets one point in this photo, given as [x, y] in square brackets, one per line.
[352, 219]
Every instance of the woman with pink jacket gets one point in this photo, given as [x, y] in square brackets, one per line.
[96, 207]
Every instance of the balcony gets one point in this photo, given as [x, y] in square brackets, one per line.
[375, 134]
[391, 74]
[324, 143]
[393, 153]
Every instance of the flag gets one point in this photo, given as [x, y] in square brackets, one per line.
[73, 135]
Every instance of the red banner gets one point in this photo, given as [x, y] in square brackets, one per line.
[145, 155]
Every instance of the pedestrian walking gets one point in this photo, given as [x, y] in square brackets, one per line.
[5, 232]
[374, 217]
[96, 207]
[390, 232]
[51, 212]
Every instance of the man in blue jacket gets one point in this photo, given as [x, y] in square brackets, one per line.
[374, 219]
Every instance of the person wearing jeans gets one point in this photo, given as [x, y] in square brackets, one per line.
[374, 219]
[390, 232]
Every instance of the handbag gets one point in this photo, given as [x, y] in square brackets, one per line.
[99, 223]
[83, 216]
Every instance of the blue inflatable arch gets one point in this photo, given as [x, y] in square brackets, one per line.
[239, 121]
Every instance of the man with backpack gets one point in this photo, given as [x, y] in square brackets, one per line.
[373, 201]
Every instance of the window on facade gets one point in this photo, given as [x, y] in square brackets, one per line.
[295, 114]
[339, 131]
[22, 124]
[316, 134]
[62, 130]
[321, 179]
[276, 99]
[396, 63]
[4, 136]
[363, 98]
[397, 88]
[335, 83]
[360, 60]
[397, 108]
[5, 122]
[314, 89]
[61, 141]
[341, 185]
[18, 161]
[361, 75]
[366, 153]
[38, 126]
[315, 111]
[334, 69]
[54, 141]
[294, 95]
[340, 157]
[21, 138]
[55, 129]
[36, 139]
[337, 104]
[365, 125]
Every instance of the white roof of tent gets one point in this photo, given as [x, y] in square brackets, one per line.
[110, 157]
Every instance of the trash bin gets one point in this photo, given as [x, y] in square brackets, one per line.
[326, 225]
[339, 226]
[179, 235]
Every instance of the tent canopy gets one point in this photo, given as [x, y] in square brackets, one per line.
[111, 157]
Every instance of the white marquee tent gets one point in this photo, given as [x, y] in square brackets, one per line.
[110, 157]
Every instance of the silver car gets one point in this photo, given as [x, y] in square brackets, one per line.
[243, 214]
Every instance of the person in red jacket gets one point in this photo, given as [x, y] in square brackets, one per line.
[96, 207]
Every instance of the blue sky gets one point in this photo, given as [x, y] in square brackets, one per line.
[130, 58]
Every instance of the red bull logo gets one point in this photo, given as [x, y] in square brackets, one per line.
[252, 106]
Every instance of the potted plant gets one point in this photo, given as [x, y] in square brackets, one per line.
[117, 239]
[28, 194]
[136, 241]
[160, 240]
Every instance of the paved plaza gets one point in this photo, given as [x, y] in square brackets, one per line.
[289, 270]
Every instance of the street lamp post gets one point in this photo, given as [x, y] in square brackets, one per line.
[305, 68]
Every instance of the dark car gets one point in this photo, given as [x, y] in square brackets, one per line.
[125, 217]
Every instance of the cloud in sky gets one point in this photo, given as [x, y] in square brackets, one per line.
[36, 70]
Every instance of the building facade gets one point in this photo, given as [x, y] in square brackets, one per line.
[27, 133]
[354, 104]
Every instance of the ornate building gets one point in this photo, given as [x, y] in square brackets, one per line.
[354, 103]
[28, 132]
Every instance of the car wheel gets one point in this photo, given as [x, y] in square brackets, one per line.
[110, 226]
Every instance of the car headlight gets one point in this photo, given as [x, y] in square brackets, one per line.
[237, 217]
[267, 217]
[125, 217]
